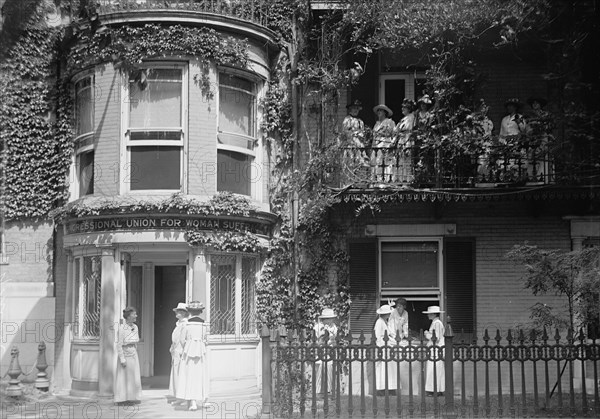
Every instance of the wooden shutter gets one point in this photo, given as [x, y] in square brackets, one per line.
[459, 257]
[363, 285]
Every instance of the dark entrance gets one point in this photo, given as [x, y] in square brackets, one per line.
[169, 289]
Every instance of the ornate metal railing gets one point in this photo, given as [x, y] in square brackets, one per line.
[255, 11]
[436, 167]
[524, 375]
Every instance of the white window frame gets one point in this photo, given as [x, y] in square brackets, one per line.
[413, 293]
[254, 153]
[127, 143]
[237, 295]
[409, 81]
[83, 142]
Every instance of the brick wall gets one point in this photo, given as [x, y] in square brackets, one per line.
[501, 300]
[27, 301]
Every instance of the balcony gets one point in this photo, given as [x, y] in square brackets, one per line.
[498, 165]
[254, 11]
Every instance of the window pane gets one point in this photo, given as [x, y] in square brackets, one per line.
[91, 296]
[409, 265]
[234, 172]
[158, 103]
[248, 295]
[135, 293]
[84, 106]
[154, 167]
[222, 294]
[86, 173]
[156, 135]
[236, 105]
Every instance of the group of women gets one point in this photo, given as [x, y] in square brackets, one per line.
[188, 356]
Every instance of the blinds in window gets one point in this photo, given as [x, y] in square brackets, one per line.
[460, 283]
[363, 285]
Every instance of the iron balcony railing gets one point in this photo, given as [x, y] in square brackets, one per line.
[370, 166]
[255, 11]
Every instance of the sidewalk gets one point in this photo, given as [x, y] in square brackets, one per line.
[154, 405]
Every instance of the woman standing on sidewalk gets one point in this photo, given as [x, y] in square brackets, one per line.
[182, 314]
[128, 383]
[192, 371]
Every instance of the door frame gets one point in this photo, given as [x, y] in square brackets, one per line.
[409, 80]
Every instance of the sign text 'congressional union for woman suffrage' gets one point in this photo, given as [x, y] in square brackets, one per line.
[166, 223]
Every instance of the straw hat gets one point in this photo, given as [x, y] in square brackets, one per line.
[327, 313]
[384, 309]
[195, 306]
[385, 108]
[425, 99]
[356, 104]
[433, 310]
[513, 101]
[181, 306]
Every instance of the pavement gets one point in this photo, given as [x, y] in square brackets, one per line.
[154, 404]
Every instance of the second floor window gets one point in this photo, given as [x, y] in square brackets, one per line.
[237, 133]
[84, 106]
[155, 134]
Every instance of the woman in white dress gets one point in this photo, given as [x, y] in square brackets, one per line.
[325, 323]
[192, 370]
[433, 313]
[404, 142]
[128, 382]
[381, 326]
[383, 138]
[176, 349]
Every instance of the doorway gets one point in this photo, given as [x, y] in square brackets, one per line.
[169, 289]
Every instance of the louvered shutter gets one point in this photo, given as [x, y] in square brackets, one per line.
[459, 256]
[363, 285]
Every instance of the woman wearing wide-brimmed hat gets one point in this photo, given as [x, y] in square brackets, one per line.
[514, 123]
[181, 313]
[383, 139]
[326, 332]
[380, 330]
[192, 370]
[423, 116]
[438, 330]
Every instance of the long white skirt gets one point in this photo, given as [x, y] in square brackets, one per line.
[174, 377]
[392, 381]
[190, 383]
[128, 382]
[440, 374]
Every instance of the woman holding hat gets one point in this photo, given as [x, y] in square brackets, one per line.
[176, 349]
[128, 382]
[437, 328]
[325, 326]
[380, 330]
[192, 372]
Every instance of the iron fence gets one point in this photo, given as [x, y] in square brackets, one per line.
[522, 374]
[255, 11]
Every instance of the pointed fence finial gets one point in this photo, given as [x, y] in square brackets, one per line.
[41, 382]
[14, 388]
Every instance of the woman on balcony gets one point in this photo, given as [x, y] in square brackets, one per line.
[383, 139]
[404, 142]
[382, 328]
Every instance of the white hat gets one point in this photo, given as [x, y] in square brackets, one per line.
[327, 313]
[384, 309]
[181, 306]
[433, 310]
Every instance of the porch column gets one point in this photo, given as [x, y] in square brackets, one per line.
[199, 277]
[63, 367]
[109, 321]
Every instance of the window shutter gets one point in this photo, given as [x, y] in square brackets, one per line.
[363, 285]
[459, 256]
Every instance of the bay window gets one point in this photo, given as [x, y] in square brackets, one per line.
[155, 128]
[236, 139]
[82, 174]
[87, 271]
[232, 294]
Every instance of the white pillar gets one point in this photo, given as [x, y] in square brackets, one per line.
[110, 300]
[199, 284]
[63, 379]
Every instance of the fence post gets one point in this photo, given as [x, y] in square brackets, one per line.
[14, 388]
[449, 368]
[41, 382]
[267, 375]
